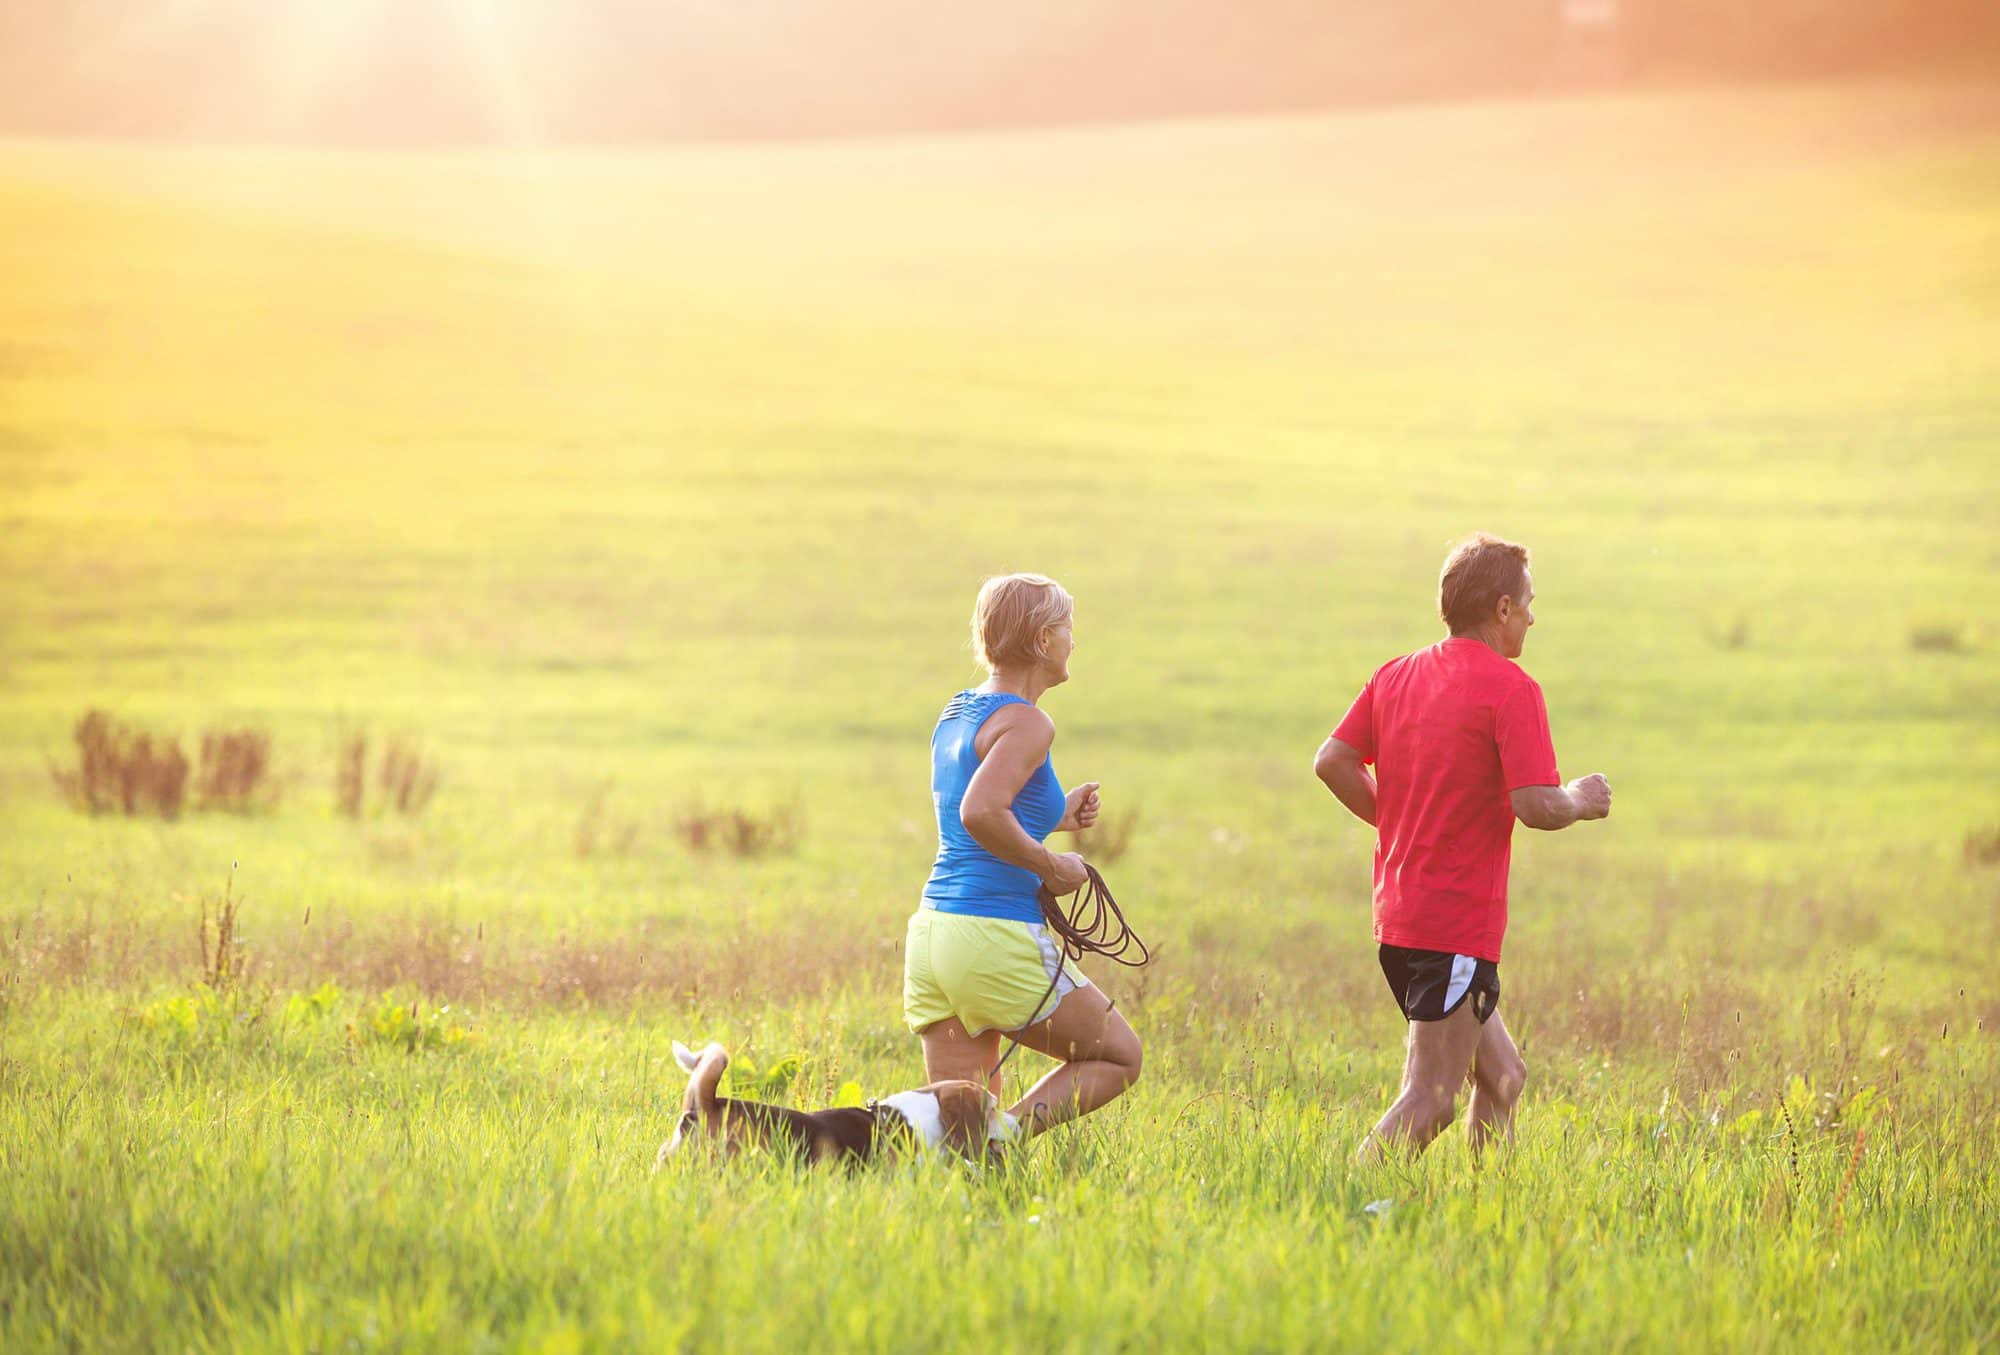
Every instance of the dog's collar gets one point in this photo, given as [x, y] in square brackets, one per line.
[890, 1121]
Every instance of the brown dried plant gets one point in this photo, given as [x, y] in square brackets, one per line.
[599, 829]
[740, 831]
[234, 771]
[222, 950]
[123, 769]
[1105, 842]
[1982, 847]
[350, 782]
[407, 777]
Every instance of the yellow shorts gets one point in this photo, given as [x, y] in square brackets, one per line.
[989, 972]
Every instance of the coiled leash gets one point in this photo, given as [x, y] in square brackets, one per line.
[1097, 927]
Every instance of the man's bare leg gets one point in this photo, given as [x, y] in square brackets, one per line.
[1440, 1053]
[1498, 1074]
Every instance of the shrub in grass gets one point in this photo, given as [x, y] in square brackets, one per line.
[599, 829]
[740, 831]
[1728, 630]
[202, 1017]
[405, 777]
[350, 776]
[123, 769]
[233, 772]
[1937, 634]
[1982, 846]
[205, 1017]
[745, 1080]
[414, 1026]
[312, 1009]
[1106, 841]
[222, 957]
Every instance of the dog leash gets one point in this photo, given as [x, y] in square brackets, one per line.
[1096, 927]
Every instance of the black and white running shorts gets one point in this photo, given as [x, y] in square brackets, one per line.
[1432, 984]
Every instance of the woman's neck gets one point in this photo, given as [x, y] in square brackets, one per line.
[1026, 683]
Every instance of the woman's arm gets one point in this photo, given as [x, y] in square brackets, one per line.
[1022, 738]
[1080, 808]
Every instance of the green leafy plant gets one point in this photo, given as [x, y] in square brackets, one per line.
[743, 1079]
[413, 1025]
[310, 1009]
[201, 1017]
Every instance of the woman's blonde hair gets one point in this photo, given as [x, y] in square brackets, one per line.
[1009, 616]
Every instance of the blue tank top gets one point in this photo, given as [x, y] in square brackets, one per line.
[967, 878]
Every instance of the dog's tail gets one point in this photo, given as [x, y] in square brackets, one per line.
[704, 1073]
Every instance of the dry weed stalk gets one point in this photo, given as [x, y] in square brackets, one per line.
[597, 829]
[222, 958]
[121, 768]
[407, 778]
[742, 832]
[350, 783]
[1847, 1180]
[1107, 841]
[1982, 846]
[234, 770]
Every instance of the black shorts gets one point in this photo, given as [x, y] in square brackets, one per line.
[1432, 984]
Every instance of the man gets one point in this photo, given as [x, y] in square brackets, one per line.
[1459, 737]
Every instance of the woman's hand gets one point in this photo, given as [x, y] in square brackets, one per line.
[1065, 873]
[1079, 809]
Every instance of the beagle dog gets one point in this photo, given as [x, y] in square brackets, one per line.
[962, 1117]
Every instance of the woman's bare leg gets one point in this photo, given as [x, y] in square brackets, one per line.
[952, 1054]
[1100, 1058]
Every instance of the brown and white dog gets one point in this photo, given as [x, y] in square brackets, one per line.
[962, 1117]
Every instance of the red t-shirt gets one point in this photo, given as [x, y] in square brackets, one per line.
[1451, 730]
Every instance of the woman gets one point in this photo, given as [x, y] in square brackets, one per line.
[978, 962]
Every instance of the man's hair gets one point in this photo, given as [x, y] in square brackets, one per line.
[1480, 571]
[1010, 614]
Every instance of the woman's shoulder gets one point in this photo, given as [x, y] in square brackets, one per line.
[975, 705]
[1020, 714]
[974, 701]
[992, 714]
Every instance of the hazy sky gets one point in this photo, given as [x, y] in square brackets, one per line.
[558, 70]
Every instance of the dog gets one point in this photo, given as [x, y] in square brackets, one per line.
[957, 1116]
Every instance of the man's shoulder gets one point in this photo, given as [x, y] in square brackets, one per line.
[1409, 662]
[1503, 673]
[1518, 677]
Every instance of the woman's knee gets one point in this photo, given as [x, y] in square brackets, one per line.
[1130, 1058]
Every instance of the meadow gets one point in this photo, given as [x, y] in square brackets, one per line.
[636, 486]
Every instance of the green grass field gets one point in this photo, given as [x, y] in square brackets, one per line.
[626, 482]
